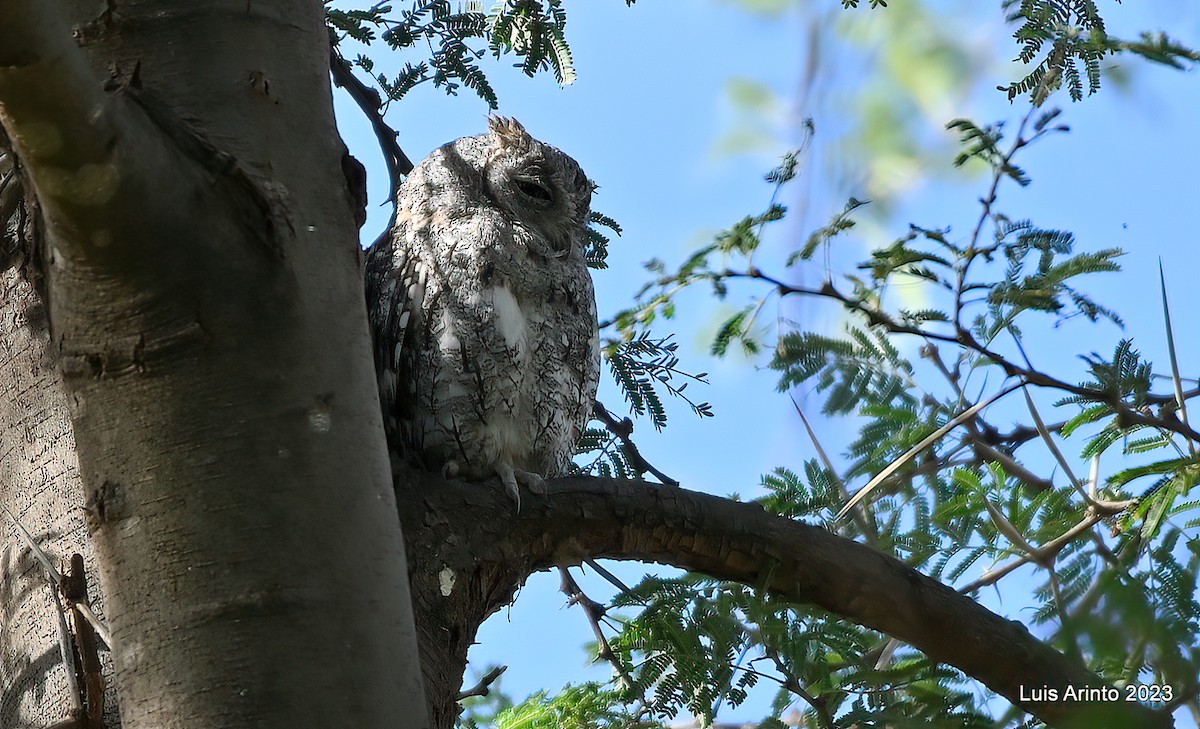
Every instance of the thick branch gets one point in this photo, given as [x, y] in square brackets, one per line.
[50, 101]
[584, 518]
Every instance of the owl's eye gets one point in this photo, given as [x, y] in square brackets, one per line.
[534, 190]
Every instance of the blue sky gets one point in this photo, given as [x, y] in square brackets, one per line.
[651, 120]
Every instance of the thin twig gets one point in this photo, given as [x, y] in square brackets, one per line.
[66, 649]
[610, 577]
[980, 442]
[1064, 617]
[1126, 414]
[987, 452]
[102, 632]
[1039, 554]
[368, 100]
[1176, 379]
[51, 571]
[75, 589]
[594, 612]
[57, 578]
[622, 430]
[926, 442]
[863, 515]
[1051, 445]
[972, 250]
[483, 687]
[819, 705]
[1007, 528]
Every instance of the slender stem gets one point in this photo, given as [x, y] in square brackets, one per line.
[1125, 412]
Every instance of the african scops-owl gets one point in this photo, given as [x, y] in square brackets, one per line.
[483, 313]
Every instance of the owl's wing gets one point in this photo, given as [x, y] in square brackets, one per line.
[395, 289]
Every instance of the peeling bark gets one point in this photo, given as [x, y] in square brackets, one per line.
[39, 485]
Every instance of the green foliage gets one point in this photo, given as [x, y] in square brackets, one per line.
[702, 645]
[1065, 40]
[850, 366]
[1045, 288]
[740, 328]
[1126, 377]
[743, 236]
[586, 706]
[670, 647]
[609, 458]
[532, 30]
[453, 61]
[645, 366]
[741, 240]
[793, 496]
[535, 32]
[596, 252]
[984, 143]
[967, 500]
[822, 236]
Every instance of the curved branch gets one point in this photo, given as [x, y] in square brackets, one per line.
[50, 100]
[95, 161]
[368, 100]
[468, 526]
[621, 429]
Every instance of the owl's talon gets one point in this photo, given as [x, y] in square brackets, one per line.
[509, 477]
[533, 481]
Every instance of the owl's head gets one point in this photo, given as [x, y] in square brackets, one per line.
[536, 183]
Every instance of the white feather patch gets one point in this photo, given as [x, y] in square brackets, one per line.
[509, 317]
[448, 336]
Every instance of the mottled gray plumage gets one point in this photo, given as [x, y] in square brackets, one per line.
[483, 313]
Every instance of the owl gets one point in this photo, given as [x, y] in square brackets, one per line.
[483, 312]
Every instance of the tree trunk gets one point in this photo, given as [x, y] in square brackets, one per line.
[39, 486]
[205, 304]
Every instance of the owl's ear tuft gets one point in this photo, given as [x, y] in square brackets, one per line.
[509, 130]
